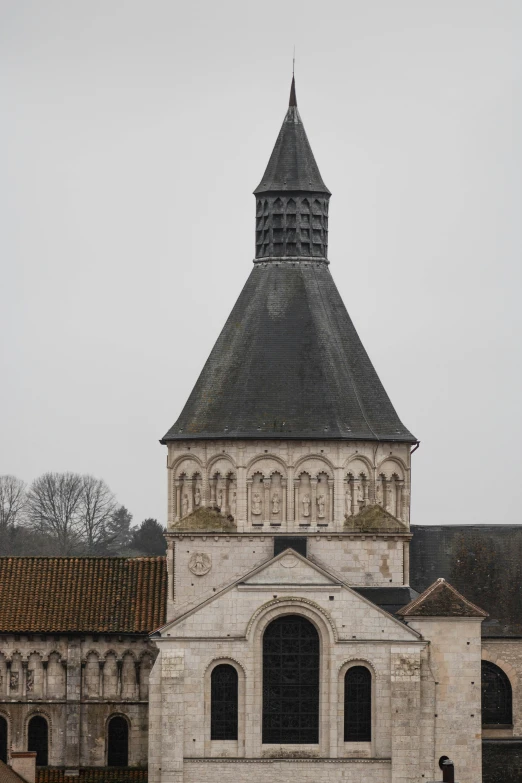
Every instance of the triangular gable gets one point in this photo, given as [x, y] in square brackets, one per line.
[290, 568]
[375, 519]
[441, 600]
[219, 605]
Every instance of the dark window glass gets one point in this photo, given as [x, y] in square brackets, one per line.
[291, 682]
[497, 706]
[3, 740]
[38, 739]
[290, 542]
[223, 703]
[358, 705]
[118, 742]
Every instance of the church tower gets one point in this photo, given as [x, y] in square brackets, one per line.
[286, 653]
[288, 431]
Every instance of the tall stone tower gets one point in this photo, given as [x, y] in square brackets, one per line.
[288, 431]
[293, 649]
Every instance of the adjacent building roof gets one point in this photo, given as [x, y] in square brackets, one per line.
[8, 775]
[289, 364]
[92, 775]
[82, 594]
[391, 599]
[292, 164]
[484, 562]
[441, 600]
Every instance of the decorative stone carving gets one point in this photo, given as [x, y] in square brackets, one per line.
[306, 506]
[321, 506]
[276, 504]
[289, 561]
[14, 678]
[348, 500]
[359, 493]
[220, 500]
[233, 504]
[30, 681]
[256, 504]
[390, 498]
[200, 563]
[378, 492]
[197, 497]
[185, 505]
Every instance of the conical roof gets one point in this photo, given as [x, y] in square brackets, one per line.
[289, 364]
[292, 164]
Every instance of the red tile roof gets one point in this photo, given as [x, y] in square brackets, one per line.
[7, 775]
[93, 775]
[84, 594]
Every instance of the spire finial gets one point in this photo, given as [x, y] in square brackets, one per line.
[293, 99]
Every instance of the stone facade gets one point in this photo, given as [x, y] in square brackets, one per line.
[77, 683]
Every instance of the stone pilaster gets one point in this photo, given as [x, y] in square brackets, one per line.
[74, 688]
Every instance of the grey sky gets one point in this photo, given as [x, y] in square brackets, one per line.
[131, 138]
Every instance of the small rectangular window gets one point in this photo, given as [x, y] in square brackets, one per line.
[297, 543]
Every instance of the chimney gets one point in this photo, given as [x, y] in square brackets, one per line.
[24, 764]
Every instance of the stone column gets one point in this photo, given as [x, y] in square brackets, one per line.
[283, 507]
[267, 483]
[212, 483]
[73, 691]
[313, 484]
[101, 664]
[249, 500]
[398, 488]
[331, 499]
[45, 665]
[241, 499]
[338, 495]
[366, 487]
[297, 510]
[406, 562]
[290, 515]
[119, 665]
[23, 684]
[8, 677]
[171, 725]
[177, 509]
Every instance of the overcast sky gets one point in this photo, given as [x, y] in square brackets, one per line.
[132, 134]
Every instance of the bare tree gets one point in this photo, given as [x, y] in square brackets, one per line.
[54, 508]
[12, 502]
[97, 507]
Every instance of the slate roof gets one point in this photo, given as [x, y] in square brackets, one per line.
[391, 599]
[82, 594]
[484, 562]
[292, 164]
[289, 364]
[441, 600]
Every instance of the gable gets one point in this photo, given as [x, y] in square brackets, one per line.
[290, 568]
[373, 519]
[441, 600]
[228, 613]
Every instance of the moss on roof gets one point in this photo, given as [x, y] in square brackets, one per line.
[208, 520]
[374, 519]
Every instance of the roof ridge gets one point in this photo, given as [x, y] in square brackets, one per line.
[439, 584]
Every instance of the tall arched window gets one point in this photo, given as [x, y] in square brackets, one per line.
[358, 705]
[291, 682]
[38, 739]
[118, 742]
[223, 702]
[497, 698]
[3, 740]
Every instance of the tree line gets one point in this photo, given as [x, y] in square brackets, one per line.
[71, 514]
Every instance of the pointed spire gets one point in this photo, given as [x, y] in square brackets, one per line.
[293, 99]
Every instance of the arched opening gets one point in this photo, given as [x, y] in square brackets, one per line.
[497, 696]
[3, 740]
[118, 742]
[38, 739]
[223, 702]
[291, 681]
[358, 704]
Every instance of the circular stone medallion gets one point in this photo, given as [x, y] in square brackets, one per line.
[200, 563]
[289, 561]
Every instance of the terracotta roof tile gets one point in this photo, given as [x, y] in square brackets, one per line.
[93, 775]
[85, 594]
